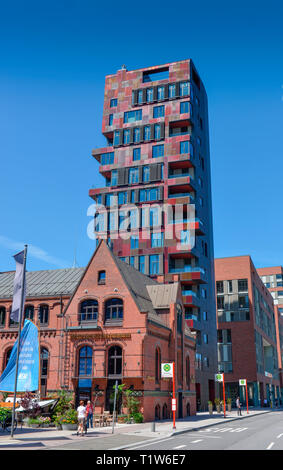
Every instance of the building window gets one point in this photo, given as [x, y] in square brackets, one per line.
[114, 177]
[184, 147]
[146, 132]
[133, 175]
[110, 120]
[153, 264]
[172, 91]
[101, 277]
[184, 89]
[142, 264]
[157, 131]
[2, 316]
[85, 361]
[188, 372]
[7, 357]
[113, 103]
[184, 107]
[136, 154]
[219, 287]
[115, 357]
[132, 116]
[160, 92]
[158, 111]
[158, 151]
[126, 136]
[29, 312]
[145, 174]
[157, 240]
[205, 338]
[137, 135]
[88, 310]
[43, 314]
[157, 365]
[149, 94]
[114, 309]
[107, 158]
[220, 302]
[140, 96]
[242, 285]
[122, 197]
[134, 242]
[44, 357]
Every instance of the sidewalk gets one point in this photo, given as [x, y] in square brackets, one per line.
[124, 434]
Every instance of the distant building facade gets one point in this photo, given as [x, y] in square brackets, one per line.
[112, 324]
[247, 347]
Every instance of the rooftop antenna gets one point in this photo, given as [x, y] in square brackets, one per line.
[75, 264]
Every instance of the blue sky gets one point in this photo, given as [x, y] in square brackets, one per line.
[54, 58]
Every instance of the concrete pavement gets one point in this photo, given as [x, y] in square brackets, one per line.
[125, 435]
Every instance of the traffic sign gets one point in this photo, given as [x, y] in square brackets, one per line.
[174, 404]
[243, 382]
[218, 377]
[167, 369]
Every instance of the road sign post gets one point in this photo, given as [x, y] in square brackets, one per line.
[220, 378]
[243, 383]
[168, 371]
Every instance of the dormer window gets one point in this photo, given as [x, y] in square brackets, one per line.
[101, 277]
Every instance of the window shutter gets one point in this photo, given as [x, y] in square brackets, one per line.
[151, 131]
[153, 172]
[155, 93]
[166, 91]
[162, 130]
[135, 97]
[131, 135]
[161, 268]
[161, 193]
[144, 95]
[140, 174]
[121, 176]
[121, 138]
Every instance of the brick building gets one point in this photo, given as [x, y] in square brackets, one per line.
[156, 165]
[114, 324]
[246, 331]
[273, 280]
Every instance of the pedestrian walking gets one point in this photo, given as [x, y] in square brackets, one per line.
[81, 411]
[89, 414]
[238, 405]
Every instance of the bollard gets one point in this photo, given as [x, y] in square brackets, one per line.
[153, 427]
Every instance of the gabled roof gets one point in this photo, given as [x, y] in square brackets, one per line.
[43, 283]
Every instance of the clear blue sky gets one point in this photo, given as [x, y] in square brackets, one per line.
[54, 57]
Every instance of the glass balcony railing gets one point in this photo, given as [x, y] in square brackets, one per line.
[186, 269]
[189, 292]
[180, 175]
[174, 195]
[185, 221]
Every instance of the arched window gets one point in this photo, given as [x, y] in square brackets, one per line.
[44, 357]
[114, 310]
[85, 361]
[88, 310]
[164, 411]
[2, 316]
[7, 357]
[179, 318]
[157, 412]
[188, 372]
[29, 312]
[115, 357]
[157, 365]
[43, 314]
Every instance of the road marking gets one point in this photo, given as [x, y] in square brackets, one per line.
[278, 437]
[198, 440]
[238, 429]
[180, 447]
[152, 443]
[270, 445]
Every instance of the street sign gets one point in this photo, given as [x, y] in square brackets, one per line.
[268, 374]
[167, 369]
[243, 382]
[174, 404]
[218, 377]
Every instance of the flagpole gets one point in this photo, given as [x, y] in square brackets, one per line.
[18, 345]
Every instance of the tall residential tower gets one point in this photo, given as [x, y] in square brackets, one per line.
[157, 194]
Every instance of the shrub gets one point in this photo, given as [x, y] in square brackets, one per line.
[138, 417]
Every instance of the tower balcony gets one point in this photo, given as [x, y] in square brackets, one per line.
[190, 298]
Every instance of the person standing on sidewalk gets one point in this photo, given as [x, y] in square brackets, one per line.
[238, 405]
[89, 414]
[81, 410]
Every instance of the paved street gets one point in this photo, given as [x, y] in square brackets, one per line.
[263, 432]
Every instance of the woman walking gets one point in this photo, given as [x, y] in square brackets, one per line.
[81, 410]
[89, 414]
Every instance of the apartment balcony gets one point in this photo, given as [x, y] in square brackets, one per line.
[190, 224]
[190, 298]
[193, 324]
[178, 161]
[180, 183]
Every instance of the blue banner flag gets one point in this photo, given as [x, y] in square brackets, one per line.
[19, 287]
[28, 369]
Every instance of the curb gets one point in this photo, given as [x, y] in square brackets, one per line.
[183, 431]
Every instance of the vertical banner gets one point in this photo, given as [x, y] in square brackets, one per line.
[19, 287]
[28, 365]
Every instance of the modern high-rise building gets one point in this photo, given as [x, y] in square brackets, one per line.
[247, 346]
[273, 279]
[155, 209]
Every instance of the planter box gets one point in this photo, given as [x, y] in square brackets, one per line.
[69, 427]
